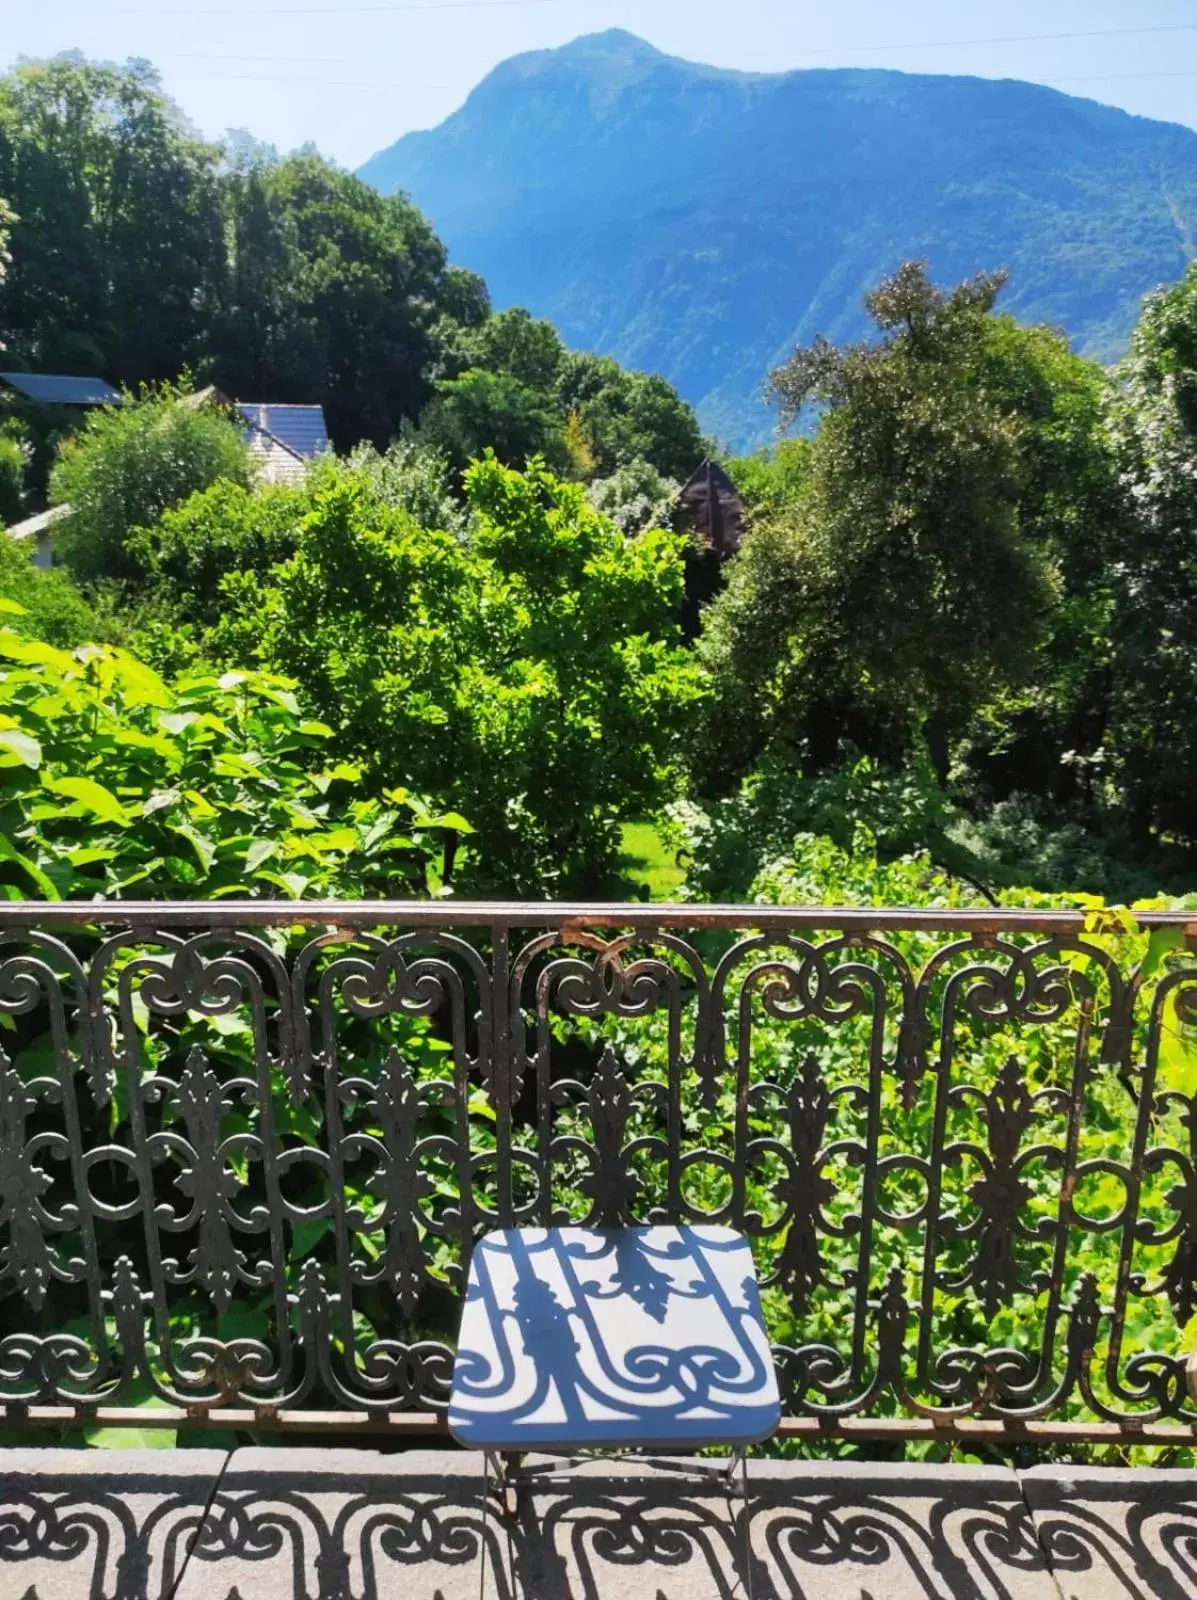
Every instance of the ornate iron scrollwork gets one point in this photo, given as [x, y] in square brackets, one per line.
[248, 1169]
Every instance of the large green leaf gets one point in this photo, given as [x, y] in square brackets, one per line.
[92, 796]
[205, 850]
[9, 852]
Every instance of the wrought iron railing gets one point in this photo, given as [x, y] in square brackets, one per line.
[245, 1150]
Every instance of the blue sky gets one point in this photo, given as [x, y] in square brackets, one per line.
[352, 75]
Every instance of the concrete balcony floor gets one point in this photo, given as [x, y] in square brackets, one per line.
[350, 1524]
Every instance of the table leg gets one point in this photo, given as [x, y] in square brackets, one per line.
[739, 1458]
[483, 1546]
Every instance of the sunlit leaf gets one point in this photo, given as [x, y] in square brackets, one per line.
[92, 796]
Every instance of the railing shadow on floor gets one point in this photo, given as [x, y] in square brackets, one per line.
[409, 1526]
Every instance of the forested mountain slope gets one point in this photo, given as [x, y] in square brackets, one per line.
[700, 222]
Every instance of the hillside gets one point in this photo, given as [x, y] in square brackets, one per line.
[700, 222]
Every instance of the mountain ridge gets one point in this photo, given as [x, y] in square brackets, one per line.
[700, 221]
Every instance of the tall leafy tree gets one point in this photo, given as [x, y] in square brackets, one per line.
[483, 410]
[1150, 748]
[518, 344]
[1044, 735]
[117, 251]
[899, 591]
[629, 416]
[334, 297]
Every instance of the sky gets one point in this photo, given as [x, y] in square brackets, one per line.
[353, 75]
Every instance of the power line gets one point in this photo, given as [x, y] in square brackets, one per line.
[485, 5]
[1009, 38]
[392, 86]
[316, 11]
[479, 61]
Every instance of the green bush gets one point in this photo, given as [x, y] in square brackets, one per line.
[112, 782]
[415, 478]
[12, 480]
[222, 529]
[636, 496]
[130, 464]
[49, 606]
[531, 678]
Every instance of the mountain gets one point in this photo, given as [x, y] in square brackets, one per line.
[700, 222]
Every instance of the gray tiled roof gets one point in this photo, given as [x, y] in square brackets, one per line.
[56, 389]
[301, 428]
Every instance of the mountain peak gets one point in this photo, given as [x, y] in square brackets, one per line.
[614, 56]
[610, 42]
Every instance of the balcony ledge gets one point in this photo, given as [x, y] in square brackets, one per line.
[341, 1524]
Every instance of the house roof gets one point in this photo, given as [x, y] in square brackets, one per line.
[57, 389]
[276, 461]
[709, 505]
[33, 527]
[300, 428]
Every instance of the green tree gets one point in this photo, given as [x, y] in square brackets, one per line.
[520, 345]
[131, 463]
[337, 296]
[1149, 752]
[900, 591]
[483, 410]
[117, 250]
[1043, 737]
[531, 678]
[629, 416]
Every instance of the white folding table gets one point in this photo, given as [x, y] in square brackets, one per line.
[576, 1340]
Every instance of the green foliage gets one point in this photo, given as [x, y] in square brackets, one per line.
[50, 606]
[514, 387]
[636, 496]
[530, 678]
[7, 218]
[336, 295]
[12, 480]
[112, 782]
[629, 416]
[130, 464]
[118, 246]
[726, 842]
[938, 555]
[1148, 752]
[415, 478]
[519, 345]
[492, 410]
[772, 481]
[226, 528]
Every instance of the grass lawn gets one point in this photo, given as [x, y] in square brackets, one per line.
[647, 863]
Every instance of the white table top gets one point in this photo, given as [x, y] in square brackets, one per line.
[576, 1338]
